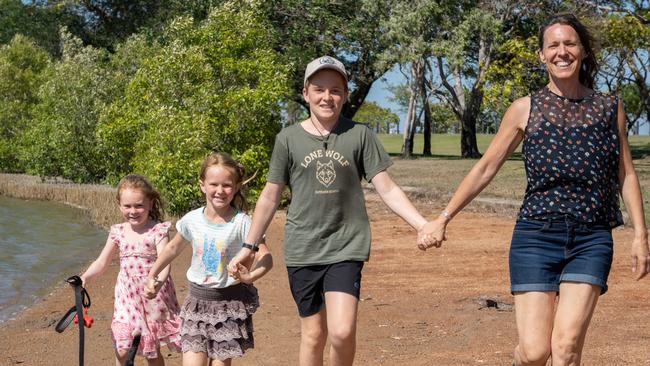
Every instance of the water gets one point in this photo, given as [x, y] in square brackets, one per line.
[41, 244]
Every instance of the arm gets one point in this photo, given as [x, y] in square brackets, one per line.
[166, 256]
[261, 267]
[100, 264]
[506, 140]
[262, 216]
[631, 193]
[396, 200]
[160, 247]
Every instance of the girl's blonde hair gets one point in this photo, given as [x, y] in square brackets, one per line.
[237, 170]
[140, 183]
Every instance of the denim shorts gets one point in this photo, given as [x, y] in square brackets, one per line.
[545, 253]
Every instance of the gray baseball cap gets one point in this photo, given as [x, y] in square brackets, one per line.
[325, 62]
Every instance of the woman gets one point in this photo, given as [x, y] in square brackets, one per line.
[577, 160]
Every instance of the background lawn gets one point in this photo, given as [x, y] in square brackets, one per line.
[439, 175]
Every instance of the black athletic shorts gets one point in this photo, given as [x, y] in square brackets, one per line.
[310, 283]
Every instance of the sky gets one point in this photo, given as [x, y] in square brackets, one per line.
[380, 94]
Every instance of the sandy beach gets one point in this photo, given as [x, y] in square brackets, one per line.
[434, 308]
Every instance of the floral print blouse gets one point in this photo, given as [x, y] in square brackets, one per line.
[571, 155]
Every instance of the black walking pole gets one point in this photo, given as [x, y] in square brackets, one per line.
[82, 300]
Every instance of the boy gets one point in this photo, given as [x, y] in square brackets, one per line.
[327, 233]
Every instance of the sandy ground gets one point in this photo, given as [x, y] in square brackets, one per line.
[416, 309]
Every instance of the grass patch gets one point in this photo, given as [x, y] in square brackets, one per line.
[439, 176]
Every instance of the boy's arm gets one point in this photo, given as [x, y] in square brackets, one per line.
[396, 200]
[262, 216]
[263, 264]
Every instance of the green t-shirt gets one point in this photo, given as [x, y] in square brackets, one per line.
[327, 220]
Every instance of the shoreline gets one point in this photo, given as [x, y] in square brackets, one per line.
[97, 200]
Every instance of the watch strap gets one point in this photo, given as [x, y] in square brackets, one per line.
[252, 247]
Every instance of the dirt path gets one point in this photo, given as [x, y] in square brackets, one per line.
[416, 309]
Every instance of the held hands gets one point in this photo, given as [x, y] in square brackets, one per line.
[243, 274]
[640, 256]
[244, 255]
[152, 287]
[432, 234]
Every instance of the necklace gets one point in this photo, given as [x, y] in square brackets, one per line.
[323, 138]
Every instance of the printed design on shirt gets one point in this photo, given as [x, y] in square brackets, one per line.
[213, 251]
[325, 173]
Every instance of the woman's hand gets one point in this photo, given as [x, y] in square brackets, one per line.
[433, 233]
[640, 256]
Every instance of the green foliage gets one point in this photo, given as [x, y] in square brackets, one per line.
[378, 118]
[40, 23]
[516, 72]
[348, 30]
[60, 139]
[625, 31]
[215, 86]
[443, 118]
[21, 65]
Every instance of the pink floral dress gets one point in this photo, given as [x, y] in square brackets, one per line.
[156, 319]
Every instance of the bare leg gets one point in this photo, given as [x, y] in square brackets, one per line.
[313, 335]
[534, 312]
[195, 359]
[220, 363]
[575, 307]
[120, 356]
[342, 327]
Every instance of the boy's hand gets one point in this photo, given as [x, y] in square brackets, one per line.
[243, 274]
[244, 255]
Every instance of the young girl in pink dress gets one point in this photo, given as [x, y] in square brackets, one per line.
[139, 239]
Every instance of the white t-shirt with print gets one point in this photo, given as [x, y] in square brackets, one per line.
[213, 246]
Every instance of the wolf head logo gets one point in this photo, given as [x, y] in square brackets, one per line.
[325, 173]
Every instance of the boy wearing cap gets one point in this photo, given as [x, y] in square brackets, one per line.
[327, 233]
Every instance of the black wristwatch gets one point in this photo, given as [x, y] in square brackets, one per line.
[252, 247]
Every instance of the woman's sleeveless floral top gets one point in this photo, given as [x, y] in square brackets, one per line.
[571, 155]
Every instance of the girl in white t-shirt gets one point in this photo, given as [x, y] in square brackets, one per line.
[217, 313]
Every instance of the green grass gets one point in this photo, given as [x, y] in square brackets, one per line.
[440, 174]
[442, 145]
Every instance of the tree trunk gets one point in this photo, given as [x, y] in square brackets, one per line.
[468, 145]
[426, 150]
[407, 146]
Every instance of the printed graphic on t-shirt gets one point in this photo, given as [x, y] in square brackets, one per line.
[325, 173]
[213, 251]
[327, 162]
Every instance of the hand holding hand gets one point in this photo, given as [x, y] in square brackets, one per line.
[432, 234]
[640, 256]
[152, 287]
[243, 255]
[243, 274]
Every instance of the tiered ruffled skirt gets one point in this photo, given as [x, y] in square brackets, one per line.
[219, 322]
